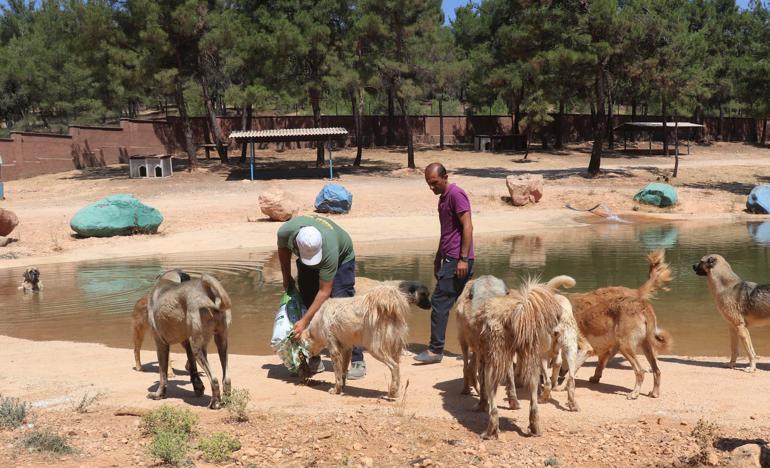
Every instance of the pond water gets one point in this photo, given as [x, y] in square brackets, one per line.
[93, 301]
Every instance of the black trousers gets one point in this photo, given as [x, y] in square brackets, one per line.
[343, 285]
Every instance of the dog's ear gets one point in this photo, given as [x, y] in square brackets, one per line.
[711, 261]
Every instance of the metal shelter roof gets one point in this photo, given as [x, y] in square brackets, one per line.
[290, 134]
[655, 125]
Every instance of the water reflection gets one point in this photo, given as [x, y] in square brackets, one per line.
[760, 232]
[92, 301]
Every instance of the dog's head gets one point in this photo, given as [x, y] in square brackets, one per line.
[311, 341]
[32, 275]
[416, 292]
[708, 263]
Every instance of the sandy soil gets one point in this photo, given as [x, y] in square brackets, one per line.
[209, 209]
[304, 425]
[297, 425]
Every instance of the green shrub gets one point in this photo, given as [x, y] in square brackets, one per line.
[12, 412]
[86, 401]
[218, 447]
[169, 419]
[237, 403]
[46, 441]
[169, 447]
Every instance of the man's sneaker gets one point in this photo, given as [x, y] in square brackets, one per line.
[426, 357]
[357, 370]
[316, 365]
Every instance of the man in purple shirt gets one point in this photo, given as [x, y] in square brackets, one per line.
[453, 265]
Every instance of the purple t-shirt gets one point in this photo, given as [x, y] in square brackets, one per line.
[450, 205]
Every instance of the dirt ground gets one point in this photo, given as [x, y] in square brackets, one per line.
[293, 425]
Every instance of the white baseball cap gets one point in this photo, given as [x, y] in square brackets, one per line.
[309, 244]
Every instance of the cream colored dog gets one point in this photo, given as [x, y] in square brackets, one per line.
[742, 304]
[375, 320]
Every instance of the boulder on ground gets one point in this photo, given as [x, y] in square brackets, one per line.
[116, 215]
[745, 456]
[658, 194]
[333, 198]
[4, 241]
[525, 188]
[278, 205]
[758, 201]
[8, 222]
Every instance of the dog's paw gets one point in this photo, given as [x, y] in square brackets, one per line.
[215, 404]
[480, 406]
[573, 407]
[466, 391]
[594, 379]
[729, 365]
[632, 396]
[653, 394]
[534, 431]
[156, 395]
[750, 370]
[487, 435]
[514, 404]
[335, 391]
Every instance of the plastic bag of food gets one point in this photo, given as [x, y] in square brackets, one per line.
[291, 351]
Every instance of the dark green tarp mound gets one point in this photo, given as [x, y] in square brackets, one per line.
[116, 215]
[658, 194]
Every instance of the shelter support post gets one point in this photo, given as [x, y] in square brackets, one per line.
[252, 162]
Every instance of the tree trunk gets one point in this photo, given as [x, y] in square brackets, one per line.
[720, 123]
[216, 130]
[663, 111]
[594, 166]
[245, 125]
[408, 124]
[355, 103]
[189, 145]
[441, 122]
[676, 145]
[517, 112]
[610, 133]
[633, 116]
[389, 136]
[764, 131]
[315, 103]
[559, 143]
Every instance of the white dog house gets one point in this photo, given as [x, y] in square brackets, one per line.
[150, 166]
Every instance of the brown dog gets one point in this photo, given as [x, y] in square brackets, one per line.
[190, 313]
[31, 280]
[375, 320]
[139, 325]
[619, 319]
[517, 325]
[742, 304]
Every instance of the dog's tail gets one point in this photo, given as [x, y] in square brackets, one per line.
[535, 316]
[216, 292]
[561, 281]
[385, 319]
[660, 275]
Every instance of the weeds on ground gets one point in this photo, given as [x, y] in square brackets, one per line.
[400, 409]
[46, 441]
[169, 447]
[218, 447]
[13, 412]
[706, 434]
[169, 419]
[86, 401]
[237, 403]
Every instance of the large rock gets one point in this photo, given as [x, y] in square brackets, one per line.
[333, 198]
[759, 200]
[658, 194]
[278, 205]
[116, 215]
[525, 189]
[745, 456]
[8, 222]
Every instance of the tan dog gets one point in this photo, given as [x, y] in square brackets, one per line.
[516, 325]
[31, 280]
[742, 304]
[139, 325]
[375, 320]
[415, 292]
[619, 319]
[190, 313]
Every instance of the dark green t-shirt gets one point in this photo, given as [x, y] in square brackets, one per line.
[336, 249]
